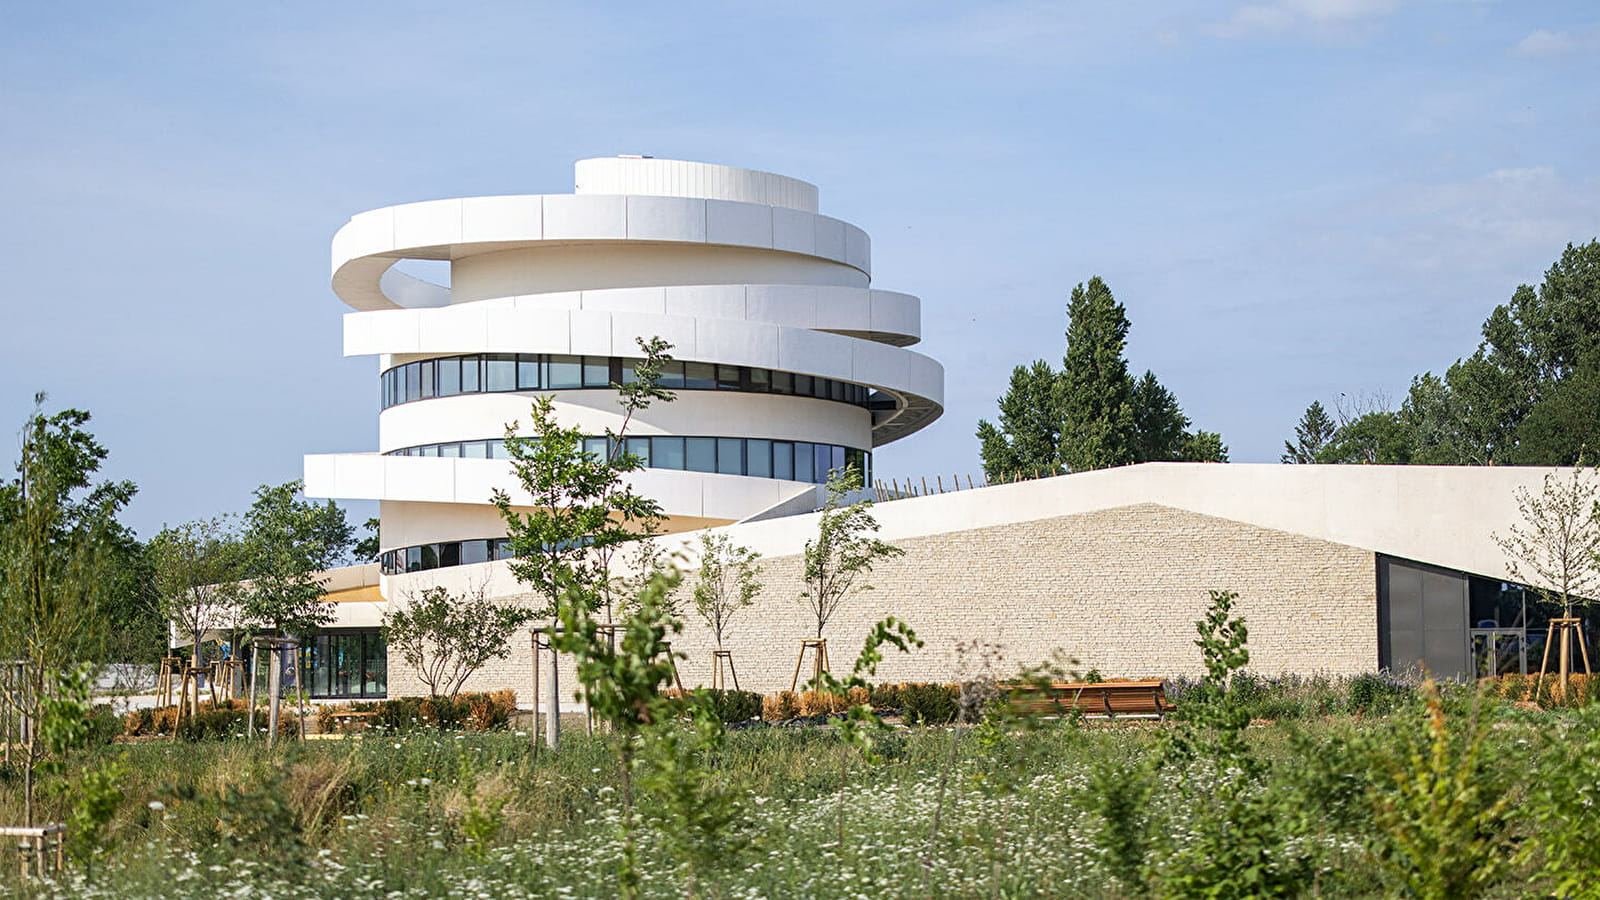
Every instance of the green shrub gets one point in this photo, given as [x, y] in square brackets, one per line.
[886, 696]
[929, 704]
[1374, 694]
[736, 706]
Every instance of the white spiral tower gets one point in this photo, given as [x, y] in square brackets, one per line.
[787, 362]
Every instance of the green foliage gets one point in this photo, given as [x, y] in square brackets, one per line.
[256, 822]
[583, 509]
[1092, 414]
[369, 547]
[728, 581]
[1098, 426]
[1529, 395]
[197, 567]
[1028, 439]
[843, 550]
[474, 711]
[1118, 794]
[929, 704]
[1312, 435]
[1563, 809]
[288, 542]
[731, 706]
[1556, 546]
[96, 797]
[1442, 818]
[446, 637]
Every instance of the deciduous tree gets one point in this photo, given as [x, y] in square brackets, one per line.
[843, 551]
[728, 582]
[446, 637]
[58, 537]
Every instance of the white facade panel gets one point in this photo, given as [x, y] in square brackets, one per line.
[829, 237]
[585, 218]
[666, 219]
[718, 301]
[740, 224]
[808, 351]
[497, 219]
[844, 310]
[793, 231]
[782, 304]
[429, 224]
[737, 343]
[627, 300]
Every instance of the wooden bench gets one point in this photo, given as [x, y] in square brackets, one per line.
[1104, 699]
[344, 720]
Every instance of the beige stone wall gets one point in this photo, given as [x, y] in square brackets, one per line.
[1118, 590]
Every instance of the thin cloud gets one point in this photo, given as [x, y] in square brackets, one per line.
[1542, 43]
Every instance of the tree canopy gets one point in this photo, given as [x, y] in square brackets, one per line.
[1529, 394]
[1092, 413]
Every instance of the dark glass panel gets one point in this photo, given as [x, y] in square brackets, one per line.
[700, 454]
[500, 372]
[640, 447]
[449, 377]
[728, 378]
[450, 554]
[802, 461]
[528, 372]
[375, 681]
[474, 552]
[783, 460]
[501, 548]
[761, 380]
[413, 559]
[430, 556]
[564, 372]
[802, 385]
[836, 458]
[836, 390]
[667, 452]
[758, 458]
[782, 383]
[628, 376]
[427, 379]
[819, 388]
[699, 376]
[730, 456]
[672, 374]
[413, 384]
[824, 462]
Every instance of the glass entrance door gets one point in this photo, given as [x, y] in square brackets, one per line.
[1499, 651]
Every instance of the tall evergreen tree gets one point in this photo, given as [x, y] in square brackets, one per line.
[1098, 428]
[1028, 439]
[1312, 435]
[1159, 426]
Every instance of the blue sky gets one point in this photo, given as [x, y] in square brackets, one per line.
[1293, 199]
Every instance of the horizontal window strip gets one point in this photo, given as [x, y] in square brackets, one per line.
[506, 372]
[755, 457]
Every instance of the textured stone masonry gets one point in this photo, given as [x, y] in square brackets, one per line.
[1117, 590]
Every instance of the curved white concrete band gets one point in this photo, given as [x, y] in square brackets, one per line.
[371, 242]
[916, 380]
[366, 476]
